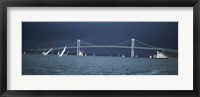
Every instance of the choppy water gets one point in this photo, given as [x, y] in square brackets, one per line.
[94, 65]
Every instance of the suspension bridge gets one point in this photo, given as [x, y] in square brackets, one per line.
[80, 44]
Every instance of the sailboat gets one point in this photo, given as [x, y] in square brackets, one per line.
[46, 53]
[150, 56]
[80, 53]
[66, 53]
[63, 51]
[161, 55]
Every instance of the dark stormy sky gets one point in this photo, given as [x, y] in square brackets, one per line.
[55, 34]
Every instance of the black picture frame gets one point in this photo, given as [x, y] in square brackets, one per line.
[98, 3]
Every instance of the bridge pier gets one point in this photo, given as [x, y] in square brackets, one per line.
[132, 47]
[78, 45]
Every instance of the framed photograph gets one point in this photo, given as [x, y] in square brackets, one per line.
[81, 48]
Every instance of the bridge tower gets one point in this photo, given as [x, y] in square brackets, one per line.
[78, 45]
[132, 47]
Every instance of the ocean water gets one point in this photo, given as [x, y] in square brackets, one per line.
[35, 64]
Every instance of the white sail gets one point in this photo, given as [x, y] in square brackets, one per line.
[67, 53]
[63, 51]
[46, 53]
[80, 53]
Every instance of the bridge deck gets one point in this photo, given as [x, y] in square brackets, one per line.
[107, 46]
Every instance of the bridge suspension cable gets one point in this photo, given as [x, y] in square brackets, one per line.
[122, 42]
[84, 44]
[106, 45]
[88, 43]
[147, 44]
[71, 44]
